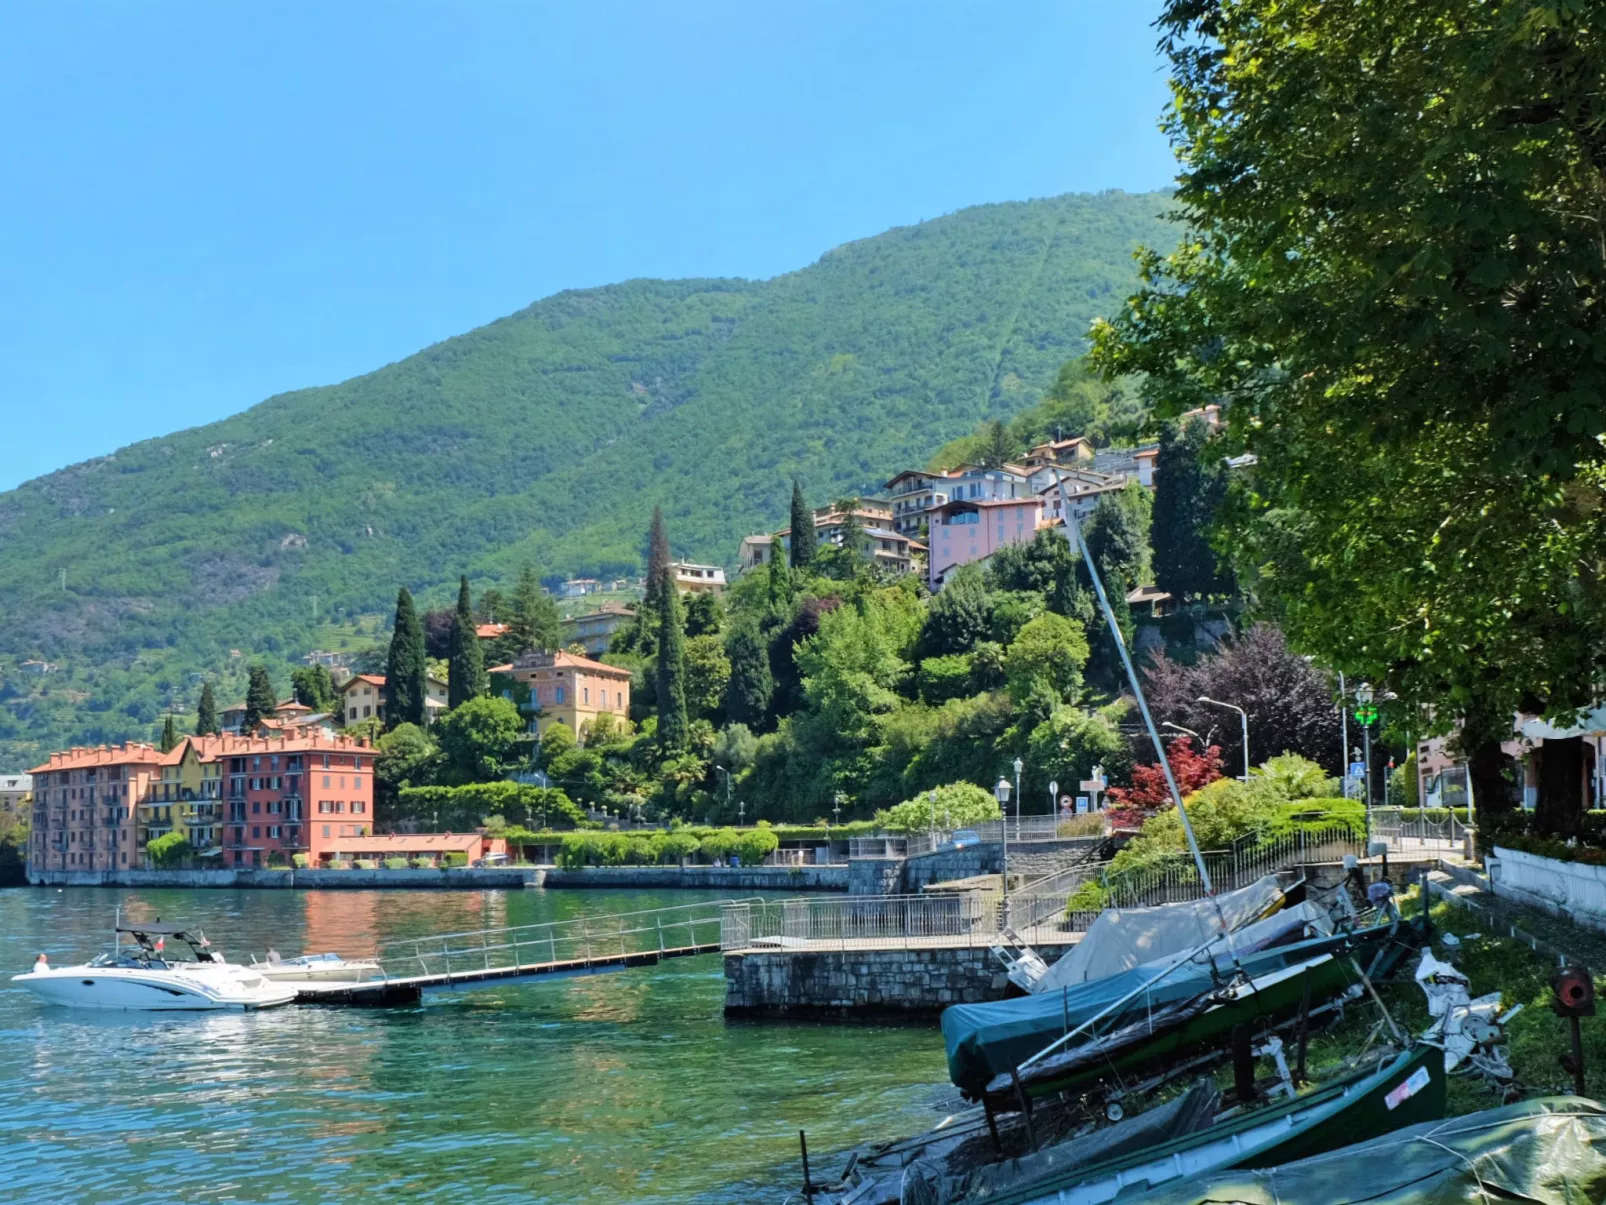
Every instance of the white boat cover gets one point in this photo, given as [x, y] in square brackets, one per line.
[1123, 938]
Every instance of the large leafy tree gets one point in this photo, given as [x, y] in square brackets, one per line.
[481, 741]
[1394, 274]
[803, 540]
[465, 669]
[314, 687]
[1290, 703]
[406, 667]
[260, 701]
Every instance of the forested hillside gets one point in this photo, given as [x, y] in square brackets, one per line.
[546, 437]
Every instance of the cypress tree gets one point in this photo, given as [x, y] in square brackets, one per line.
[780, 577]
[747, 693]
[169, 734]
[803, 541]
[1189, 483]
[407, 667]
[657, 560]
[206, 713]
[260, 701]
[465, 674]
[670, 678]
[328, 692]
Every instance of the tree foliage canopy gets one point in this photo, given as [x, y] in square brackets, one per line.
[1394, 275]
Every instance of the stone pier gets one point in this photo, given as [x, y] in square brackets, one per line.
[915, 983]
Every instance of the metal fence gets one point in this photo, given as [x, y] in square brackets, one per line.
[1025, 830]
[579, 939]
[1251, 858]
[862, 922]
[1427, 831]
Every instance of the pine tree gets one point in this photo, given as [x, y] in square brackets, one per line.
[670, 678]
[747, 693]
[465, 673]
[169, 734]
[407, 667]
[260, 701]
[206, 713]
[657, 560]
[803, 538]
[999, 447]
[534, 622]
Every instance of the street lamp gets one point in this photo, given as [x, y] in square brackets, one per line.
[1243, 716]
[1017, 798]
[741, 812]
[1189, 731]
[1002, 792]
[727, 775]
[931, 826]
[1364, 713]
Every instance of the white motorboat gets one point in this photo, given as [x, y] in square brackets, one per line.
[143, 977]
[314, 968]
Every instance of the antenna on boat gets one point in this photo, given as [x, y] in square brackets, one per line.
[1073, 530]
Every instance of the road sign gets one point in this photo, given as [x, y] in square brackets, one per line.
[1092, 785]
[1366, 714]
[1054, 787]
[1081, 805]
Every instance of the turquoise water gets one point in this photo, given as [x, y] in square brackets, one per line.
[619, 1087]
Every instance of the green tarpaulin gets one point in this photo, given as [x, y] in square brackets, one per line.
[1550, 1151]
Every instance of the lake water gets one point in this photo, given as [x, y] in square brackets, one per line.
[618, 1087]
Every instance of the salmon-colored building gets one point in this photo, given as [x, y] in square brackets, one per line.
[965, 532]
[84, 807]
[292, 796]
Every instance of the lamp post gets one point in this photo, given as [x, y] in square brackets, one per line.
[931, 821]
[1188, 731]
[1243, 716]
[741, 813]
[1343, 732]
[1017, 798]
[1002, 792]
[836, 808]
[1364, 713]
[727, 775]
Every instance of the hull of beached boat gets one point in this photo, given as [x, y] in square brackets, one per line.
[1405, 1090]
[985, 1041]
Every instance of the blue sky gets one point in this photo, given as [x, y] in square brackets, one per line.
[206, 204]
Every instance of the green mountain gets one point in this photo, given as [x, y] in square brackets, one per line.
[547, 437]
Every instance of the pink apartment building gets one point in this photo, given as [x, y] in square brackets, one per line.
[965, 532]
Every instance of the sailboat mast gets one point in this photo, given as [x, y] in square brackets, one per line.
[1073, 530]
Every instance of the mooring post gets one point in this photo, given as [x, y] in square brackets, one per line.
[808, 1185]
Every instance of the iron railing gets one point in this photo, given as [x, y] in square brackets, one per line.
[1424, 834]
[961, 918]
[1252, 857]
[580, 939]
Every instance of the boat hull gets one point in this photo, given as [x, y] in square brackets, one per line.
[117, 990]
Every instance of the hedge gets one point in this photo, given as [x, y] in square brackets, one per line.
[455, 858]
[464, 809]
[658, 846]
[301, 861]
[395, 863]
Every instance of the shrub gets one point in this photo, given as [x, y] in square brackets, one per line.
[395, 863]
[366, 864]
[170, 849]
[421, 863]
[455, 858]
[339, 864]
[957, 805]
[300, 861]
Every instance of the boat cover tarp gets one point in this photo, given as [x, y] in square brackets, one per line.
[1550, 1151]
[1123, 938]
[1189, 1113]
[984, 1040]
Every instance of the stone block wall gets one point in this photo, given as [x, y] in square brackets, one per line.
[916, 983]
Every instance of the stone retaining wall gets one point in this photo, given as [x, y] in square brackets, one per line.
[706, 878]
[461, 878]
[915, 984]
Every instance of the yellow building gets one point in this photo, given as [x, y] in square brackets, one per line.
[188, 796]
[570, 690]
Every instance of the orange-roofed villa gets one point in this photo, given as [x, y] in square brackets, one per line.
[84, 803]
[568, 689]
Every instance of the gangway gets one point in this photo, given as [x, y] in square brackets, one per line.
[583, 945]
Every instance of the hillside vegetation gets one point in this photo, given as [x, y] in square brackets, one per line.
[546, 437]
